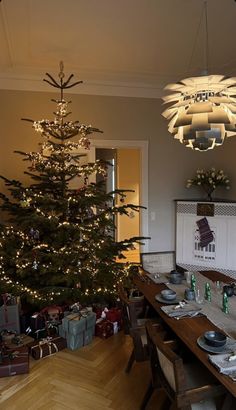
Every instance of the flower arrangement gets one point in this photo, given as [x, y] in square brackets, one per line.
[209, 180]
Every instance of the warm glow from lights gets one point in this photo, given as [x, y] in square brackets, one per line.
[202, 111]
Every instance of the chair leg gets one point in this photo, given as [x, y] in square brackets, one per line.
[147, 396]
[130, 362]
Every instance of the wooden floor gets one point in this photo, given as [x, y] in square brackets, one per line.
[91, 378]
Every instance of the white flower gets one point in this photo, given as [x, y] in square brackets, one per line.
[209, 179]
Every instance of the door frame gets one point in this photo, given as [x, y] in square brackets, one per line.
[143, 146]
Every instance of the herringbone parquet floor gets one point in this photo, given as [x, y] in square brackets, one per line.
[91, 378]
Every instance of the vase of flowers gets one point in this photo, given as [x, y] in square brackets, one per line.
[209, 180]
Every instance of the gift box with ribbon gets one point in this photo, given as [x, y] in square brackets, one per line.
[104, 328]
[47, 347]
[37, 321]
[9, 314]
[14, 361]
[115, 315]
[78, 330]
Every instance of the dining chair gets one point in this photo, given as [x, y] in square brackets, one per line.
[134, 317]
[158, 262]
[187, 385]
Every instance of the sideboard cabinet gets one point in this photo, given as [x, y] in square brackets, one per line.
[219, 254]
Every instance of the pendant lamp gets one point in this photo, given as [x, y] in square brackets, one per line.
[202, 110]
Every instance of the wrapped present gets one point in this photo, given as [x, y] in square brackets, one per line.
[38, 334]
[100, 310]
[9, 315]
[7, 336]
[104, 328]
[37, 322]
[9, 299]
[47, 347]
[78, 330]
[21, 340]
[24, 322]
[52, 329]
[14, 361]
[115, 315]
[52, 314]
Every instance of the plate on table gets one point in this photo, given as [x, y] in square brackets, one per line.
[160, 299]
[227, 348]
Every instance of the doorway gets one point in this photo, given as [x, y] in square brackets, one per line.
[124, 174]
[130, 159]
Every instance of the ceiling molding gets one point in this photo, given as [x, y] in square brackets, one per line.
[90, 87]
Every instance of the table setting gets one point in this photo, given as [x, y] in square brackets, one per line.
[195, 295]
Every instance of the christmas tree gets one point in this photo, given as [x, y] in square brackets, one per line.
[59, 242]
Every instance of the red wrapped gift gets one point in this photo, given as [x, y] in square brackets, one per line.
[104, 329]
[98, 312]
[15, 361]
[115, 315]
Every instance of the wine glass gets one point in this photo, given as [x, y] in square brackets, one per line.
[199, 296]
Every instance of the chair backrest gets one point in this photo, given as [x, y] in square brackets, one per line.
[186, 385]
[133, 308]
[166, 365]
[158, 262]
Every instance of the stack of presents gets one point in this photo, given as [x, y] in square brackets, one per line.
[44, 333]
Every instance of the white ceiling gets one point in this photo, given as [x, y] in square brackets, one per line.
[117, 47]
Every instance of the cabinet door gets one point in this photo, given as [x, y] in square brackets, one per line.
[220, 253]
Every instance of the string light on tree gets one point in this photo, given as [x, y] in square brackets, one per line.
[61, 245]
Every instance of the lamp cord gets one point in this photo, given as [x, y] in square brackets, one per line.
[207, 41]
[206, 45]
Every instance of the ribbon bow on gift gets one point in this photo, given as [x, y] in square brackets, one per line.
[47, 341]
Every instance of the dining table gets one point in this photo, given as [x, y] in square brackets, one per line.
[190, 329]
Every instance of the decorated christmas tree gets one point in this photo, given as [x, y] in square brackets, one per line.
[58, 243]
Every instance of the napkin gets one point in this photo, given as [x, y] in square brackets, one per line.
[223, 363]
[186, 310]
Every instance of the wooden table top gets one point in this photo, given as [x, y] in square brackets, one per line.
[188, 329]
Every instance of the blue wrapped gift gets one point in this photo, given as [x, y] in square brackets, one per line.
[78, 330]
[10, 317]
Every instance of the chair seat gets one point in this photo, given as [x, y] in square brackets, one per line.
[141, 322]
[204, 405]
[188, 385]
[197, 375]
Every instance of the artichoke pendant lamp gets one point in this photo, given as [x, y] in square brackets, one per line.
[202, 110]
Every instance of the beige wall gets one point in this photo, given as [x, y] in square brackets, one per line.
[170, 163]
[128, 177]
